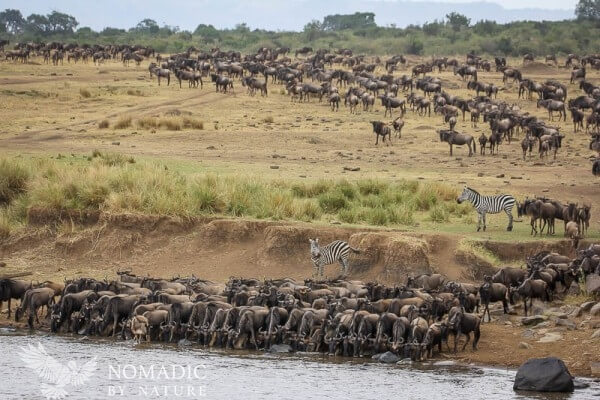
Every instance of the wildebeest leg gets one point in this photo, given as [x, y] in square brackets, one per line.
[468, 335]
[525, 305]
[456, 336]
[116, 320]
[450, 149]
[484, 224]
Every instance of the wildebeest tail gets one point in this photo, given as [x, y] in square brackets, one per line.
[474, 146]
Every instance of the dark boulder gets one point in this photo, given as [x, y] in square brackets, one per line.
[388, 357]
[544, 375]
[280, 348]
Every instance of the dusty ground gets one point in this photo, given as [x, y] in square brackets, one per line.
[43, 113]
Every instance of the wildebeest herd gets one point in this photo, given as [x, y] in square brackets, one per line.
[339, 316]
[331, 70]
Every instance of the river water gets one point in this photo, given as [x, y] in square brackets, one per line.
[124, 370]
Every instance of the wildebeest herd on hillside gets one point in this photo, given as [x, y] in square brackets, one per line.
[339, 316]
[336, 75]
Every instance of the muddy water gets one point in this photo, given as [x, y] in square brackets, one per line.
[127, 371]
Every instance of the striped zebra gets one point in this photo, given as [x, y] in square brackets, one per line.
[488, 205]
[337, 250]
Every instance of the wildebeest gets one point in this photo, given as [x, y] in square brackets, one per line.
[381, 129]
[491, 292]
[552, 106]
[461, 323]
[577, 73]
[222, 82]
[454, 138]
[533, 287]
[12, 289]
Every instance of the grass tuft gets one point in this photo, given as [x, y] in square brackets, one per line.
[123, 122]
[104, 124]
[14, 177]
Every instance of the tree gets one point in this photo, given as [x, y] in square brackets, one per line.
[414, 46]
[147, 25]
[505, 45]
[208, 32]
[457, 20]
[588, 9]
[357, 20]
[432, 28]
[38, 24]
[12, 21]
[485, 27]
[61, 22]
[313, 30]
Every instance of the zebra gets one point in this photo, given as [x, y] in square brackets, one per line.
[488, 205]
[337, 250]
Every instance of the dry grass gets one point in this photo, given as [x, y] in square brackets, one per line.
[136, 92]
[104, 124]
[147, 123]
[268, 120]
[170, 123]
[190, 123]
[116, 182]
[123, 122]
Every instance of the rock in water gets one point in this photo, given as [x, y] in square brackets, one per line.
[388, 357]
[280, 348]
[544, 375]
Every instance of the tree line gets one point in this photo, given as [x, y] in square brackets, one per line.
[456, 34]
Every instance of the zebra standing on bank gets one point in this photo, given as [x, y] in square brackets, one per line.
[488, 205]
[335, 251]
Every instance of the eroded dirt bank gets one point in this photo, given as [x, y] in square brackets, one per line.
[55, 246]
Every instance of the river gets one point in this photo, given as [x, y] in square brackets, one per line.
[154, 371]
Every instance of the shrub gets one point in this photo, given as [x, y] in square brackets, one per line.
[193, 123]
[147, 123]
[170, 124]
[332, 202]
[14, 177]
[103, 124]
[439, 214]
[310, 189]
[426, 197]
[377, 216]
[306, 210]
[123, 122]
[370, 186]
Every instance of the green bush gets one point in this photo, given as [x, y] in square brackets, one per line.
[332, 202]
[14, 177]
